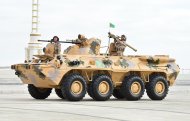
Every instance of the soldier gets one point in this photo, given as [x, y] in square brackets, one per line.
[84, 46]
[81, 39]
[119, 42]
[53, 48]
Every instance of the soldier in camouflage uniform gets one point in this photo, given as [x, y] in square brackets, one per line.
[53, 48]
[84, 45]
[81, 39]
[120, 43]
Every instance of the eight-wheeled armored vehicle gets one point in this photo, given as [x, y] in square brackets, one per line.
[82, 68]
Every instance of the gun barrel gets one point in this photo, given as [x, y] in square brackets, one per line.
[131, 47]
[60, 41]
[44, 40]
[69, 42]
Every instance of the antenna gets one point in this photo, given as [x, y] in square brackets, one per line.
[34, 47]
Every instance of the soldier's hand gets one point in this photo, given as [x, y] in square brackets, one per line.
[109, 34]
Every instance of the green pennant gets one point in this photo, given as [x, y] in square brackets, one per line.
[112, 25]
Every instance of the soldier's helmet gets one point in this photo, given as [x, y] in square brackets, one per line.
[123, 38]
[52, 40]
[81, 37]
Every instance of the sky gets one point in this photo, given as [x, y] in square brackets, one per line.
[153, 27]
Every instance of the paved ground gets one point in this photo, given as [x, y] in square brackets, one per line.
[17, 105]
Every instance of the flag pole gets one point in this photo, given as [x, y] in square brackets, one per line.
[108, 42]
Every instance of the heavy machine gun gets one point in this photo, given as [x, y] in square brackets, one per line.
[67, 41]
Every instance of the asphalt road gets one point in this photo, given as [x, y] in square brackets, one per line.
[17, 105]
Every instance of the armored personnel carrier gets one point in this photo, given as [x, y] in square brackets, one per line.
[82, 68]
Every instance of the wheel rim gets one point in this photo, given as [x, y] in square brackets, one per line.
[104, 87]
[160, 87]
[76, 87]
[135, 87]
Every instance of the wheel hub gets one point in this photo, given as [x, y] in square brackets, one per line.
[76, 87]
[160, 87]
[103, 87]
[135, 88]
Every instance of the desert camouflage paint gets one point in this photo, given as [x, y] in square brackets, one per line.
[48, 71]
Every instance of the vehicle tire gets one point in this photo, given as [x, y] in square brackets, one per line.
[132, 88]
[73, 87]
[89, 88]
[157, 88]
[59, 93]
[117, 94]
[101, 88]
[39, 93]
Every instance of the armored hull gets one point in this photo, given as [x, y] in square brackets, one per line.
[126, 77]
